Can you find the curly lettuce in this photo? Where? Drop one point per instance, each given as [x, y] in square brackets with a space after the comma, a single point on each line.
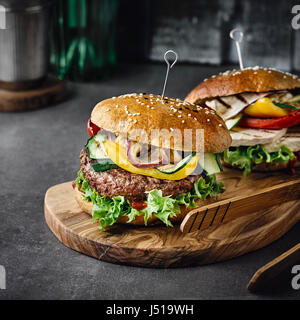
[107, 210]
[246, 157]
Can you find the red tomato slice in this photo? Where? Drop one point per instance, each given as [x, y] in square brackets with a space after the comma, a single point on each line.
[291, 120]
[138, 205]
[92, 129]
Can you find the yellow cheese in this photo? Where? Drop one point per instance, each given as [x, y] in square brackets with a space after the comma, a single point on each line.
[265, 108]
[118, 155]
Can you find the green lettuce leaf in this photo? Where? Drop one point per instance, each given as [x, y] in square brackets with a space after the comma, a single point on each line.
[245, 157]
[107, 210]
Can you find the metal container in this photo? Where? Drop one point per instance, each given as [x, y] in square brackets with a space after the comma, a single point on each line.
[24, 29]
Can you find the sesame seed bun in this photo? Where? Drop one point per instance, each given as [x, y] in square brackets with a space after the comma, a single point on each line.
[247, 80]
[128, 114]
[87, 207]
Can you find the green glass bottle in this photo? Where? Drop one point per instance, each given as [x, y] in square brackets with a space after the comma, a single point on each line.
[83, 39]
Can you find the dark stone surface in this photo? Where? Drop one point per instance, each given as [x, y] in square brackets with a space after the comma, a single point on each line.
[39, 149]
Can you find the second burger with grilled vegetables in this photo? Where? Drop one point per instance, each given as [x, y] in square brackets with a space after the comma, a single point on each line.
[261, 108]
[145, 161]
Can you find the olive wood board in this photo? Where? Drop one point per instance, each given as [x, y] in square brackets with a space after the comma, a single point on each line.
[274, 268]
[260, 194]
[163, 247]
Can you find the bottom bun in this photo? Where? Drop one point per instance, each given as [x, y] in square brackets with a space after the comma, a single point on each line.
[275, 166]
[265, 167]
[87, 207]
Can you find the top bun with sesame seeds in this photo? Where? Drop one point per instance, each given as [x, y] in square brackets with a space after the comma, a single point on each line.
[149, 119]
[247, 80]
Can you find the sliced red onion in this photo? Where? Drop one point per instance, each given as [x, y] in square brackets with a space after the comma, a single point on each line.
[132, 153]
[177, 156]
[110, 135]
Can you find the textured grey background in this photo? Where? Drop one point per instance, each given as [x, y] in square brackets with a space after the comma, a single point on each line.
[39, 149]
[199, 31]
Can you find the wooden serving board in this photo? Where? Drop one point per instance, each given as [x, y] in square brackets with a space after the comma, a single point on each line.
[164, 247]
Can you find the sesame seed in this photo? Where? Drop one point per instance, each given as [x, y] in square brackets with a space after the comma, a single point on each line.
[189, 115]
[208, 120]
[195, 118]
[172, 129]
[220, 124]
[182, 121]
[129, 119]
[179, 116]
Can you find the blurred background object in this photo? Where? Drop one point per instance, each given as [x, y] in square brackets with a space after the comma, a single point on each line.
[24, 56]
[83, 38]
[23, 43]
[88, 37]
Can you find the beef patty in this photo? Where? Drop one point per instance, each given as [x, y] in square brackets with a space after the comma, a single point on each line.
[119, 182]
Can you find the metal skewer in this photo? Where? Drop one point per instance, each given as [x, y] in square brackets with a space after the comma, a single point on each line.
[237, 36]
[168, 68]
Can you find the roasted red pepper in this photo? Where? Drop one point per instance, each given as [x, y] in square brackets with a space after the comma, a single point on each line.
[291, 120]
